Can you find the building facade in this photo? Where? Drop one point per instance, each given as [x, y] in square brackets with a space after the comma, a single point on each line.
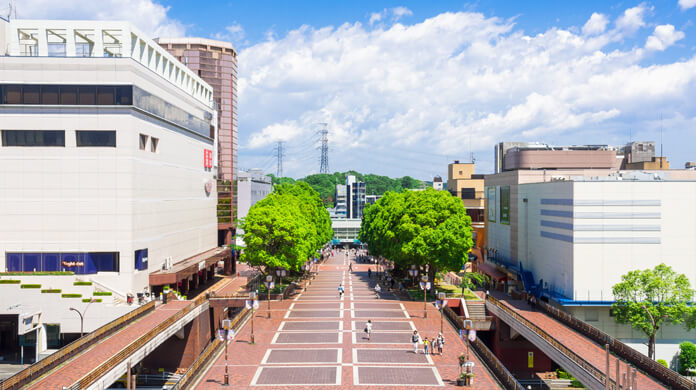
[216, 63]
[252, 186]
[350, 199]
[464, 183]
[107, 163]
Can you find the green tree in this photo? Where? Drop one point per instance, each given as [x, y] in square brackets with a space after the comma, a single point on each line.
[687, 357]
[419, 227]
[648, 299]
[471, 280]
[314, 211]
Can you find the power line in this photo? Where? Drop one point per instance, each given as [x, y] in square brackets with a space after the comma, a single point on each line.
[324, 159]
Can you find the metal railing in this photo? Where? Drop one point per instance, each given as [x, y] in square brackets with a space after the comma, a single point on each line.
[36, 370]
[103, 368]
[208, 353]
[577, 359]
[640, 361]
[489, 359]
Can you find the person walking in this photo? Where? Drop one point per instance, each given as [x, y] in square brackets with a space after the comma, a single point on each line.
[415, 339]
[426, 346]
[350, 267]
[340, 290]
[368, 329]
[440, 343]
[369, 273]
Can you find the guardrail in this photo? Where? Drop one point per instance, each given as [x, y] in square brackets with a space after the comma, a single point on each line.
[103, 368]
[208, 353]
[489, 359]
[640, 361]
[577, 359]
[36, 370]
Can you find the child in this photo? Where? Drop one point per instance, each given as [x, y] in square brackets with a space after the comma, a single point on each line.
[368, 329]
[426, 346]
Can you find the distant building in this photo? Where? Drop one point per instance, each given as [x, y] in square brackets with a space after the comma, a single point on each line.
[690, 165]
[350, 198]
[437, 183]
[341, 201]
[641, 156]
[372, 199]
[463, 183]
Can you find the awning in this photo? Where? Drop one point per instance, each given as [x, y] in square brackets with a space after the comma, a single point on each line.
[185, 268]
[491, 271]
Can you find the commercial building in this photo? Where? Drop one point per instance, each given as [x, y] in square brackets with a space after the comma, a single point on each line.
[107, 173]
[464, 183]
[216, 63]
[252, 186]
[350, 198]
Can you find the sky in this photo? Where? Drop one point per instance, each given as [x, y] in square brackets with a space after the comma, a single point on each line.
[407, 86]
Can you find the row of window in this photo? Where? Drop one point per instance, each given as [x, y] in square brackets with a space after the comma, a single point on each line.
[79, 263]
[83, 138]
[89, 95]
[154, 142]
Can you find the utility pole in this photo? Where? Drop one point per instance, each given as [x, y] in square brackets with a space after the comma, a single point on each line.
[280, 153]
[324, 148]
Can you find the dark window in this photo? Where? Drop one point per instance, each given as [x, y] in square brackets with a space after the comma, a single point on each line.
[141, 259]
[32, 94]
[52, 335]
[88, 96]
[33, 138]
[50, 262]
[13, 94]
[468, 193]
[96, 138]
[103, 261]
[68, 95]
[475, 214]
[105, 96]
[124, 95]
[49, 94]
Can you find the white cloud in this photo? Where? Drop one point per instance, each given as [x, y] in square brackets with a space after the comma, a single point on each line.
[148, 15]
[396, 14]
[663, 37]
[686, 4]
[595, 25]
[375, 17]
[405, 99]
[233, 33]
[400, 12]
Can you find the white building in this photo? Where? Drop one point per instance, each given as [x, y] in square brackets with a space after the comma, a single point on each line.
[252, 186]
[576, 236]
[106, 161]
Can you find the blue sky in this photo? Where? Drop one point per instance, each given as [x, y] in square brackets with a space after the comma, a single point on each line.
[408, 86]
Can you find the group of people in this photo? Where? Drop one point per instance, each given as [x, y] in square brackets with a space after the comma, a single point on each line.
[429, 344]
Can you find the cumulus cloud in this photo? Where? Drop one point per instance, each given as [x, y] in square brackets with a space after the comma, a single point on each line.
[233, 33]
[400, 12]
[148, 15]
[405, 99]
[663, 37]
[396, 14]
[596, 24]
[686, 4]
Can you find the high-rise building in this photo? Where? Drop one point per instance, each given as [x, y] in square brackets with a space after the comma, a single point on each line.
[216, 63]
[355, 201]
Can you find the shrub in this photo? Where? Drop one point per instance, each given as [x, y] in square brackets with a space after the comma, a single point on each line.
[40, 273]
[102, 293]
[663, 362]
[687, 357]
[51, 291]
[10, 281]
[79, 283]
[87, 300]
[30, 286]
[71, 295]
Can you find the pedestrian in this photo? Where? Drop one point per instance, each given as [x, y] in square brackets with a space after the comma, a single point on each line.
[350, 267]
[340, 290]
[440, 343]
[392, 283]
[378, 289]
[426, 346]
[368, 329]
[415, 338]
[369, 273]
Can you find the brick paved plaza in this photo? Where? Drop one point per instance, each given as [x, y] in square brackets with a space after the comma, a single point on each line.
[316, 340]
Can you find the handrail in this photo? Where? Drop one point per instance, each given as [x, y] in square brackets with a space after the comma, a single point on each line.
[111, 290]
[45, 365]
[491, 361]
[582, 363]
[103, 368]
[209, 352]
[651, 367]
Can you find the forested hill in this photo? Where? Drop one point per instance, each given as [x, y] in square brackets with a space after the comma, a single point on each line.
[325, 183]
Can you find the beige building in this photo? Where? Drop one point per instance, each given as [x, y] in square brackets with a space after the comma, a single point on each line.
[464, 183]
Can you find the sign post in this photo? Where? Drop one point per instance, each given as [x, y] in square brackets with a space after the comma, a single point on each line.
[226, 325]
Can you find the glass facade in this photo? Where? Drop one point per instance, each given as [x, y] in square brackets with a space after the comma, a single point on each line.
[86, 95]
[33, 138]
[95, 138]
[79, 263]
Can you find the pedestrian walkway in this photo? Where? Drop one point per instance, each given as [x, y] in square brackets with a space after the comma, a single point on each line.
[316, 340]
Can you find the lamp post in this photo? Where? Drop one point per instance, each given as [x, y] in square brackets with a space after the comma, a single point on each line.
[269, 286]
[82, 316]
[227, 327]
[414, 273]
[280, 273]
[253, 304]
[425, 286]
[441, 296]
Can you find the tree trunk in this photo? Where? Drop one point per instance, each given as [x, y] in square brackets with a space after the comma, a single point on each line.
[651, 347]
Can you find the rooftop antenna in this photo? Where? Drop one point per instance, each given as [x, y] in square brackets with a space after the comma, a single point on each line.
[471, 152]
[661, 156]
[324, 138]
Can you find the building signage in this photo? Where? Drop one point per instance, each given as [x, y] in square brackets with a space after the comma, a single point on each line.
[207, 158]
[71, 264]
[491, 204]
[208, 186]
[530, 359]
[505, 205]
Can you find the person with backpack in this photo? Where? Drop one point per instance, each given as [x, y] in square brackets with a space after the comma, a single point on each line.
[340, 290]
[368, 329]
[440, 343]
[415, 339]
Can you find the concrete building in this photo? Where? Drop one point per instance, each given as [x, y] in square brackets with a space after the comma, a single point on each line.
[107, 172]
[438, 184]
[464, 183]
[252, 186]
[216, 63]
[350, 198]
[341, 201]
[372, 199]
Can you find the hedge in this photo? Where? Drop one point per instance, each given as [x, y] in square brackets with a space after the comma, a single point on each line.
[71, 295]
[51, 273]
[10, 281]
[102, 293]
[82, 283]
[51, 291]
[86, 300]
[30, 286]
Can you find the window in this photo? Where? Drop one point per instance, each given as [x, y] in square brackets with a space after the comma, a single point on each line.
[49, 94]
[33, 138]
[143, 141]
[88, 96]
[591, 314]
[68, 95]
[32, 94]
[80, 263]
[468, 193]
[12, 94]
[52, 336]
[102, 95]
[141, 259]
[83, 49]
[56, 49]
[95, 138]
[153, 144]
[105, 96]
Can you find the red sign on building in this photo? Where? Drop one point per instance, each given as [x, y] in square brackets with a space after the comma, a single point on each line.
[207, 158]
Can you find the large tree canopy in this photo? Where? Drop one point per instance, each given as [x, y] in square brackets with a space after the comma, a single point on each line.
[648, 299]
[286, 228]
[419, 227]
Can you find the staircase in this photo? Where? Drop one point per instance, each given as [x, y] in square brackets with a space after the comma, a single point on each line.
[477, 310]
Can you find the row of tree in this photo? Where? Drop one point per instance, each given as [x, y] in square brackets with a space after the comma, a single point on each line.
[286, 228]
[419, 228]
[325, 184]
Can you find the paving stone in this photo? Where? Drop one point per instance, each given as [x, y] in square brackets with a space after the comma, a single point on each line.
[383, 338]
[305, 355]
[385, 325]
[379, 314]
[320, 306]
[306, 338]
[377, 306]
[403, 356]
[315, 314]
[310, 325]
[298, 376]
[422, 376]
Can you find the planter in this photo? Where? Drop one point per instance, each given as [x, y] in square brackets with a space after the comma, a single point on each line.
[461, 381]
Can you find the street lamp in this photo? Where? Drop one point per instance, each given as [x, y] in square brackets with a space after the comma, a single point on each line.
[414, 273]
[225, 333]
[82, 316]
[269, 286]
[425, 286]
[281, 273]
[441, 296]
[252, 304]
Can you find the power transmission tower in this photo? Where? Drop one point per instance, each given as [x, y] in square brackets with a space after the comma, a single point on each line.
[324, 159]
[280, 153]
